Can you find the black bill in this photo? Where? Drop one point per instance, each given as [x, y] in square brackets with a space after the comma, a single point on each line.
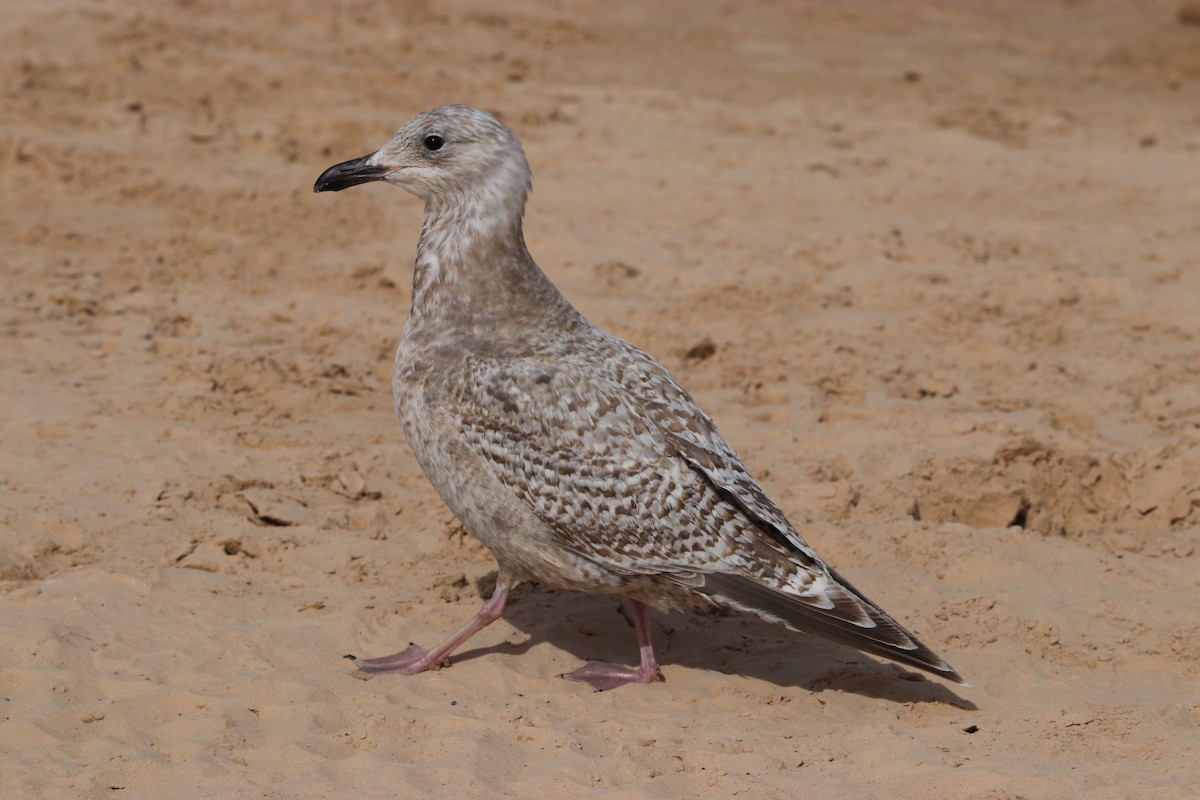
[349, 173]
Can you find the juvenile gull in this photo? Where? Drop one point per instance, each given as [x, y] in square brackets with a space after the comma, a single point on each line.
[572, 455]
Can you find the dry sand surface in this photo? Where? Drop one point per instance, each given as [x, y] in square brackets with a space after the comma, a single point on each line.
[934, 269]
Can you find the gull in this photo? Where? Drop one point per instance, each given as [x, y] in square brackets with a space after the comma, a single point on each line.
[573, 456]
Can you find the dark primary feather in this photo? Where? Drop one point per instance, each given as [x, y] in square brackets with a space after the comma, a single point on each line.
[887, 638]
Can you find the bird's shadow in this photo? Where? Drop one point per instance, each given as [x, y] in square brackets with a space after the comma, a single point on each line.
[598, 627]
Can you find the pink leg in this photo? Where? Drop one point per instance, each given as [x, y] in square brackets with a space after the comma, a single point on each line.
[601, 675]
[414, 659]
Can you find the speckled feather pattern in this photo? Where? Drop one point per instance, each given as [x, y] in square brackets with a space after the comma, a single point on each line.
[572, 455]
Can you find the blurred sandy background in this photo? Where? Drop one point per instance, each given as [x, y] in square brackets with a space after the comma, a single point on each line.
[934, 268]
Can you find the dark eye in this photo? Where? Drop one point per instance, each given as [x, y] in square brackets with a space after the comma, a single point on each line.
[434, 142]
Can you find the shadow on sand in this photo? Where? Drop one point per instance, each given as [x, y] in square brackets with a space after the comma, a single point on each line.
[592, 627]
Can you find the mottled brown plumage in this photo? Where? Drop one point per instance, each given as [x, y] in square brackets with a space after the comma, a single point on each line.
[572, 455]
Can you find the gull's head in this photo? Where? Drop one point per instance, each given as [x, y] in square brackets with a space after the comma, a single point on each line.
[446, 156]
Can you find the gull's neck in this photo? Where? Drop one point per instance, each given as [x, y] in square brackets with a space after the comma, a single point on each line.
[473, 269]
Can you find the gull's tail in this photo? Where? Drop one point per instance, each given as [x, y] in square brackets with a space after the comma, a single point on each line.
[853, 620]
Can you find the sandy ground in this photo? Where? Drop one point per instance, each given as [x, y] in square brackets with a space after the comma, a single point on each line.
[934, 269]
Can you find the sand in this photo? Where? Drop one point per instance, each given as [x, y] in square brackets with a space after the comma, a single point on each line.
[934, 269]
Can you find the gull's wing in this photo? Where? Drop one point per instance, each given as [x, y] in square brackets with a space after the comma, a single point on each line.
[619, 462]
